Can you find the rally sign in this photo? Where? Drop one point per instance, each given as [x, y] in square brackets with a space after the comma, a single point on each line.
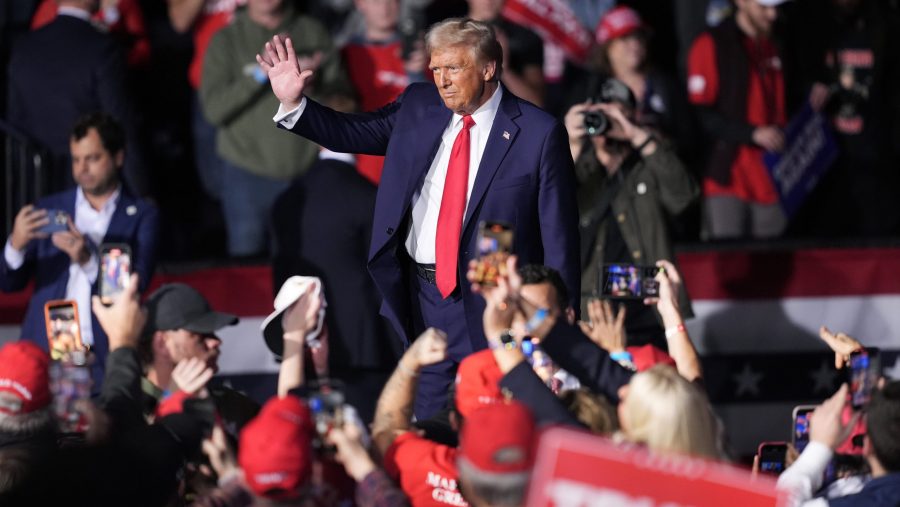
[578, 469]
[809, 151]
[554, 21]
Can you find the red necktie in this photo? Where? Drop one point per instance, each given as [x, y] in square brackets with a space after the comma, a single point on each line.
[453, 205]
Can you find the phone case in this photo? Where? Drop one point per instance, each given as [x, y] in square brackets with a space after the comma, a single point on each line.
[63, 328]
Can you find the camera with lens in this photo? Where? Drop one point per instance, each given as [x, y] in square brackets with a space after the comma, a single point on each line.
[596, 123]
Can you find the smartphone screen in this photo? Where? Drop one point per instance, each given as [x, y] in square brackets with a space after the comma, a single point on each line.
[495, 241]
[772, 456]
[801, 417]
[115, 270]
[864, 369]
[627, 281]
[63, 330]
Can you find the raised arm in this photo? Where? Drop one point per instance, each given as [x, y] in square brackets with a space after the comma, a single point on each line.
[394, 411]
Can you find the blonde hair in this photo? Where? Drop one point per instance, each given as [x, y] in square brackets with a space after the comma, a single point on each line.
[591, 409]
[669, 414]
[478, 36]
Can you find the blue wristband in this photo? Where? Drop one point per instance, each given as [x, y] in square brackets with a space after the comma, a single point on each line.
[621, 355]
[537, 319]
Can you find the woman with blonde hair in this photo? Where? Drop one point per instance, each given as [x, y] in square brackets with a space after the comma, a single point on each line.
[668, 414]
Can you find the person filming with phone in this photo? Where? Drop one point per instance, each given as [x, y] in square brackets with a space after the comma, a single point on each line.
[56, 242]
[630, 184]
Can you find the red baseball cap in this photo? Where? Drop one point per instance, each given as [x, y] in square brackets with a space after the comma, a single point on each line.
[618, 22]
[648, 356]
[24, 373]
[477, 382]
[499, 438]
[276, 449]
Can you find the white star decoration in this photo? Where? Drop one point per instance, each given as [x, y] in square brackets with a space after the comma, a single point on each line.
[893, 372]
[824, 378]
[747, 381]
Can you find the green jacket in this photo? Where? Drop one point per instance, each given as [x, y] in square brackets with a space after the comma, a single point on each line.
[242, 108]
[658, 187]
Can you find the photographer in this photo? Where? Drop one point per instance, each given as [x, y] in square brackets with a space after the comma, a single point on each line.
[629, 185]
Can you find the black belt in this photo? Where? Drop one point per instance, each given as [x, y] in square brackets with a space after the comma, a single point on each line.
[426, 272]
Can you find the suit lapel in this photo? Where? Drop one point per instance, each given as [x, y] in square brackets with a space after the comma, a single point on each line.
[503, 135]
[122, 220]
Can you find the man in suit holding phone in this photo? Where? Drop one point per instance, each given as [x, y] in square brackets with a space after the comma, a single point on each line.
[458, 153]
[64, 264]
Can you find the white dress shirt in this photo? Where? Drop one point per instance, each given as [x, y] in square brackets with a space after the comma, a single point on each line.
[92, 224]
[74, 12]
[426, 202]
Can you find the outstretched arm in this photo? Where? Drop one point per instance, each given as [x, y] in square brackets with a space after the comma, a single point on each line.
[279, 62]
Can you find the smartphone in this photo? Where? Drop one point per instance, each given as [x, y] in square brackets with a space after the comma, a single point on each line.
[58, 221]
[70, 384]
[800, 425]
[326, 402]
[411, 28]
[628, 281]
[495, 241]
[63, 328]
[115, 270]
[863, 371]
[772, 457]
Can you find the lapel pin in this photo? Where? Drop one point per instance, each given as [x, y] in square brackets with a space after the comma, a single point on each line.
[506, 135]
[131, 210]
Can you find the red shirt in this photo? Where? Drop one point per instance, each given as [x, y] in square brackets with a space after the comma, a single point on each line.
[425, 470]
[765, 106]
[216, 14]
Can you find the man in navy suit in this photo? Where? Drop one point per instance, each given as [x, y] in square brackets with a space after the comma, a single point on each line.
[458, 153]
[65, 264]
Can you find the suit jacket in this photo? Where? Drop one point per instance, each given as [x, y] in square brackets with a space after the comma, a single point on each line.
[323, 223]
[60, 72]
[525, 178]
[135, 222]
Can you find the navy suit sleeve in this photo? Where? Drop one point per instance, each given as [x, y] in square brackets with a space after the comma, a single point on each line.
[145, 245]
[528, 388]
[578, 355]
[366, 133]
[559, 212]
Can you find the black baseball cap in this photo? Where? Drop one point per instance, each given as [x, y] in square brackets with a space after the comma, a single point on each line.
[179, 306]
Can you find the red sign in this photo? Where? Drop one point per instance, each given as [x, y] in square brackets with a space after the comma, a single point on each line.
[554, 21]
[577, 469]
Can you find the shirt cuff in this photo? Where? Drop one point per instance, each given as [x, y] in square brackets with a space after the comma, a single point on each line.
[288, 119]
[14, 258]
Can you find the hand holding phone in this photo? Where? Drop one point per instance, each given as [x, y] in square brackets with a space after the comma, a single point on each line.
[772, 457]
[495, 241]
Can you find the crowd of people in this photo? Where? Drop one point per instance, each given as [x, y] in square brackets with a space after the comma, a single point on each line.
[322, 133]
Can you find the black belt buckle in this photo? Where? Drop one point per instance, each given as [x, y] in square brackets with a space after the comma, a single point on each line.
[426, 272]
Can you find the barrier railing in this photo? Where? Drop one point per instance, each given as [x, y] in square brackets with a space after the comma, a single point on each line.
[25, 171]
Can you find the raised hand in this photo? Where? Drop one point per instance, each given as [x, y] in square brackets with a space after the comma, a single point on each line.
[429, 348]
[842, 344]
[605, 329]
[287, 77]
[124, 319]
[72, 242]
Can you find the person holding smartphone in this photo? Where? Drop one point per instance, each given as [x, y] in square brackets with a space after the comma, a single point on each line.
[630, 186]
[64, 264]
